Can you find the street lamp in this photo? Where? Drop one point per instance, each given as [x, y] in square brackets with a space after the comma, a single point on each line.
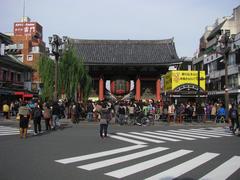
[224, 42]
[56, 44]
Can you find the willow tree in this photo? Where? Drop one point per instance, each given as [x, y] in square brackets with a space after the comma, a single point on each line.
[87, 85]
[72, 73]
[46, 71]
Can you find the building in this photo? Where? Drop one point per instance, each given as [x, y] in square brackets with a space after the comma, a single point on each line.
[211, 58]
[28, 46]
[15, 77]
[129, 65]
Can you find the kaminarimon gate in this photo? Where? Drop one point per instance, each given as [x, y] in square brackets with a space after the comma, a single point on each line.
[127, 69]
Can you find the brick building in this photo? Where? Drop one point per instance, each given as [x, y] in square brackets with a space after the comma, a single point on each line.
[28, 36]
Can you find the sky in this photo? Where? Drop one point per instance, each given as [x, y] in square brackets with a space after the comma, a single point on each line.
[183, 20]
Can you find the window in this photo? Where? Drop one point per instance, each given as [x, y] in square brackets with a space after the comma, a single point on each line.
[18, 77]
[233, 81]
[12, 76]
[4, 75]
[213, 66]
[30, 57]
[35, 49]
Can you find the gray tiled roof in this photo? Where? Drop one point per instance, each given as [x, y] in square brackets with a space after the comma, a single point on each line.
[121, 52]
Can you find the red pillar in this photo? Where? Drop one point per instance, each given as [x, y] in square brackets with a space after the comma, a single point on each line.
[158, 90]
[138, 90]
[101, 89]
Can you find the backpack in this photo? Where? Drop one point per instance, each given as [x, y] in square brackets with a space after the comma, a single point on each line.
[234, 114]
[37, 113]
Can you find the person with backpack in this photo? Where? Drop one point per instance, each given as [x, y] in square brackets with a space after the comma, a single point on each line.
[24, 114]
[37, 116]
[233, 115]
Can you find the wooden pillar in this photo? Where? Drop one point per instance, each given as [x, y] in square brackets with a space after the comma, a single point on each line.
[158, 90]
[101, 89]
[138, 90]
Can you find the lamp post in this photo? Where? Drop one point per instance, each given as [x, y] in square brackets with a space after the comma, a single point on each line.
[224, 46]
[56, 45]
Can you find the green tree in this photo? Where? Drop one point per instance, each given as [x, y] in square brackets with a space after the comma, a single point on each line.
[72, 73]
[46, 71]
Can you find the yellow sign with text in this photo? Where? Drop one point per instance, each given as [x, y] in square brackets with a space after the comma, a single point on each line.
[174, 79]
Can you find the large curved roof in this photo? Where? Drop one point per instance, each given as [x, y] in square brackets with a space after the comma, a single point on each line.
[120, 52]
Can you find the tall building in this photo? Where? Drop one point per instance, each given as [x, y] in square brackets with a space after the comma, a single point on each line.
[28, 37]
[211, 57]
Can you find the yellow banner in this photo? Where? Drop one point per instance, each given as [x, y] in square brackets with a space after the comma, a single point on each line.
[174, 79]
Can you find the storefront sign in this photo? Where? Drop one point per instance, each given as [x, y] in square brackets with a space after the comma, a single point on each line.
[174, 79]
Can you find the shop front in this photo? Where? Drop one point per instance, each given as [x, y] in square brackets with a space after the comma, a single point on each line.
[184, 86]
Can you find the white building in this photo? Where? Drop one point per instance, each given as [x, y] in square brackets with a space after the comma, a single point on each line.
[211, 57]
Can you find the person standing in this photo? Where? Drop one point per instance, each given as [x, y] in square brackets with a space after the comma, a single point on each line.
[233, 115]
[47, 116]
[90, 109]
[105, 114]
[122, 113]
[37, 116]
[55, 115]
[24, 113]
[6, 110]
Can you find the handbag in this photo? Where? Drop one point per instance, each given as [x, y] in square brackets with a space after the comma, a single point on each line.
[18, 117]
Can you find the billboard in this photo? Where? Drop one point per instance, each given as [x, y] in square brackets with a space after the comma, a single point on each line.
[174, 79]
[28, 29]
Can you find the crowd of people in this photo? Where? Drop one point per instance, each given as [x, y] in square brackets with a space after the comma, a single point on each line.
[121, 112]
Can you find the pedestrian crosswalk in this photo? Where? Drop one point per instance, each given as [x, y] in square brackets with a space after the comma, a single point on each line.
[161, 136]
[6, 131]
[131, 160]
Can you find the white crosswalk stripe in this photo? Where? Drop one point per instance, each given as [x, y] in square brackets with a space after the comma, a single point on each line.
[99, 154]
[140, 137]
[175, 132]
[210, 132]
[151, 157]
[112, 161]
[225, 170]
[184, 167]
[121, 173]
[195, 134]
[156, 137]
[169, 135]
[127, 139]
[6, 131]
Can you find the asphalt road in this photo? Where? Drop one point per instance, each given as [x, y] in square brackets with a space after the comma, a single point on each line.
[77, 152]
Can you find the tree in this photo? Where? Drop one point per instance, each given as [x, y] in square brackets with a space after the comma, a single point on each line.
[72, 73]
[46, 72]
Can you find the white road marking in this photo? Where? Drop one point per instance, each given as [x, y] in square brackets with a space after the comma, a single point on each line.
[170, 135]
[99, 154]
[183, 134]
[127, 139]
[181, 169]
[225, 170]
[117, 160]
[141, 138]
[198, 133]
[121, 173]
[156, 137]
